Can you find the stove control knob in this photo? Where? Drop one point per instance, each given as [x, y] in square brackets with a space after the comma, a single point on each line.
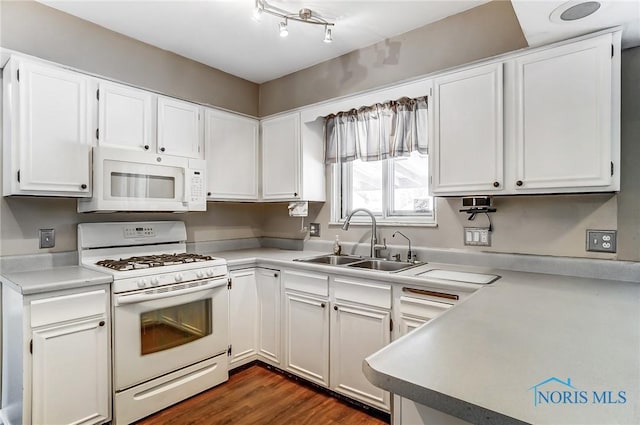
[178, 277]
[199, 274]
[142, 283]
[209, 272]
[154, 281]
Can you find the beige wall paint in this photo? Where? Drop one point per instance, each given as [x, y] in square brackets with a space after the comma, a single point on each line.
[38, 30]
[542, 225]
[478, 33]
[629, 198]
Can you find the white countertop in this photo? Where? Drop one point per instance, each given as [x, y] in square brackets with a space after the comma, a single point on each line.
[480, 360]
[54, 279]
[484, 356]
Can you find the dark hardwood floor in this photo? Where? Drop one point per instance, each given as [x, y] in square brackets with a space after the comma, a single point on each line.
[260, 396]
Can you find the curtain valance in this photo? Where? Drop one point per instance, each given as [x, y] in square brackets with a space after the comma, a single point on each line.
[371, 133]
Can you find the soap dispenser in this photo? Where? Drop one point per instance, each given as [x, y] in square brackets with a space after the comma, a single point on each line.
[337, 248]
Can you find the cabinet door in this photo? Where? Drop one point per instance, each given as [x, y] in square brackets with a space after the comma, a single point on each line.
[269, 328]
[467, 155]
[243, 324]
[231, 149]
[307, 337]
[124, 117]
[179, 129]
[71, 378]
[357, 332]
[563, 118]
[414, 312]
[54, 139]
[281, 157]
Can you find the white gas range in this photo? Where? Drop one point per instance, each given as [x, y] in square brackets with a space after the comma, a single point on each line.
[169, 312]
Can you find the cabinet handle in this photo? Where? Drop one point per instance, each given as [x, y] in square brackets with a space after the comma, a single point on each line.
[208, 193]
[275, 275]
[102, 323]
[295, 194]
[335, 307]
[162, 149]
[146, 147]
[519, 183]
[496, 184]
[431, 293]
[322, 305]
[83, 186]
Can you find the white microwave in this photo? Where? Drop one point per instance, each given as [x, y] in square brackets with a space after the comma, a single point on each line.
[125, 180]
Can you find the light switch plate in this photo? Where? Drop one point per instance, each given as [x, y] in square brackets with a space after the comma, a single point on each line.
[601, 240]
[477, 236]
[314, 229]
[47, 238]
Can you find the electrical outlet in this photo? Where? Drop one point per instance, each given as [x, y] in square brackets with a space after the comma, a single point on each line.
[477, 236]
[47, 238]
[314, 229]
[601, 240]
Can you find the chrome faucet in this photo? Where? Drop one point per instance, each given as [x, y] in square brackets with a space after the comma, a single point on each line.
[374, 238]
[409, 254]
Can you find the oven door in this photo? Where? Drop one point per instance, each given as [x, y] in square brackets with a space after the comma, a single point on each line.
[168, 328]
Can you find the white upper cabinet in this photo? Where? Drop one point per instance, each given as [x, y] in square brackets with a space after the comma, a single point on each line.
[281, 157]
[292, 159]
[467, 152]
[47, 140]
[125, 117]
[563, 122]
[231, 151]
[179, 128]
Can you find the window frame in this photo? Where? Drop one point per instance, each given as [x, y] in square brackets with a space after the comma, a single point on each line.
[387, 217]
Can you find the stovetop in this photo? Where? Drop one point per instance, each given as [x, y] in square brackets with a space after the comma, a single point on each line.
[148, 261]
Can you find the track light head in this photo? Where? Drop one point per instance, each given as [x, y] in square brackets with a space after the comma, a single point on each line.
[284, 31]
[328, 38]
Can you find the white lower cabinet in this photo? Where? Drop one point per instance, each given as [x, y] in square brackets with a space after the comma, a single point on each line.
[243, 314]
[254, 316]
[360, 326]
[269, 316]
[307, 337]
[357, 332]
[413, 312]
[63, 373]
[74, 357]
[307, 325]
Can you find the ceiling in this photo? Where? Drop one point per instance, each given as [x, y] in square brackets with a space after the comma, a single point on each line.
[223, 35]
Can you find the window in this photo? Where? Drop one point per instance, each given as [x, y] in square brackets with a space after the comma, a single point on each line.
[396, 190]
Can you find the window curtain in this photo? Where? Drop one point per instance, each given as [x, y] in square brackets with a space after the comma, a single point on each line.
[380, 131]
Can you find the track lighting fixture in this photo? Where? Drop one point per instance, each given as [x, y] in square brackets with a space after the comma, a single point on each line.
[304, 15]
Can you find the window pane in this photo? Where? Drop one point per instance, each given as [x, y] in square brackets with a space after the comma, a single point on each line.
[367, 185]
[411, 185]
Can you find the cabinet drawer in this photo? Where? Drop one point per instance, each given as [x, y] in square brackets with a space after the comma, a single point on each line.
[363, 292]
[68, 307]
[312, 283]
[424, 309]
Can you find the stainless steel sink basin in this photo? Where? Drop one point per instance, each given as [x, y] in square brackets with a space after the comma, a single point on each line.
[332, 260]
[384, 265]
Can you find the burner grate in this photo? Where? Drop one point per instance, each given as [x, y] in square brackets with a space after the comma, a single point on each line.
[148, 261]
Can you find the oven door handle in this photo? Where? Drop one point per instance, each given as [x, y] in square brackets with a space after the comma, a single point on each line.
[139, 298]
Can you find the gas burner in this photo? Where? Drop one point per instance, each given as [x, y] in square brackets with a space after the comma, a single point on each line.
[147, 261]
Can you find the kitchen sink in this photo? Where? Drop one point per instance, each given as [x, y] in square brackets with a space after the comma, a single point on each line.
[384, 265]
[333, 260]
